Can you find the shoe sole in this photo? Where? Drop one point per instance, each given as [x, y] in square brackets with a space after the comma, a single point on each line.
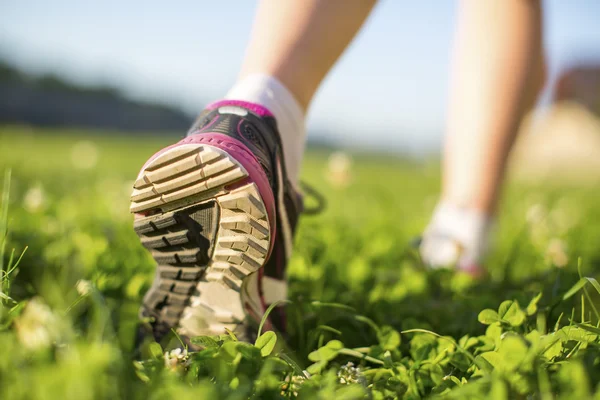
[207, 227]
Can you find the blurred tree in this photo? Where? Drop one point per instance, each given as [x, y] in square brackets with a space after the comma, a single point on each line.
[50, 100]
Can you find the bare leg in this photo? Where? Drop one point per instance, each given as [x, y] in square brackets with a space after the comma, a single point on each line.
[293, 46]
[298, 41]
[498, 72]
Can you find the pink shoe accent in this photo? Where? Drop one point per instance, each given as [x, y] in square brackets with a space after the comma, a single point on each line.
[255, 108]
[473, 270]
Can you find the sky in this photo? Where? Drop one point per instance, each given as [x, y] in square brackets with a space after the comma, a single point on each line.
[389, 88]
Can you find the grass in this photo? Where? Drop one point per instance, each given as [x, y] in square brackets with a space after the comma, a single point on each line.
[366, 320]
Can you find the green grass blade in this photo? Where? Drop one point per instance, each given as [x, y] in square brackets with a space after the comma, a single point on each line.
[4, 217]
[264, 318]
[594, 283]
[574, 289]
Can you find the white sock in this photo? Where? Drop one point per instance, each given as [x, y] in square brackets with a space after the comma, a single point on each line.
[451, 225]
[272, 94]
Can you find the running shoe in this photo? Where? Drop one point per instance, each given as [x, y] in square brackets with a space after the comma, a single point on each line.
[218, 214]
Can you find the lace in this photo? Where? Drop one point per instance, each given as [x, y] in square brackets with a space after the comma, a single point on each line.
[310, 191]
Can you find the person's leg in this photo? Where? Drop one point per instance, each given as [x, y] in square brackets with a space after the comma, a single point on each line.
[293, 46]
[218, 209]
[298, 41]
[498, 58]
[498, 72]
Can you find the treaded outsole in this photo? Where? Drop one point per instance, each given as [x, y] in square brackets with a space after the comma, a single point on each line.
[206, 238]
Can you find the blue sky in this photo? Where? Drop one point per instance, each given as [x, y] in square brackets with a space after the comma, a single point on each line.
[390, 85]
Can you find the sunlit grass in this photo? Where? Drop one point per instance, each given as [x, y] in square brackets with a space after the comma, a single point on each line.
[358, 293]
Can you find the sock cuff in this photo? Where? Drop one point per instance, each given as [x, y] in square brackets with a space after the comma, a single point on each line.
[270, 92]
[254, 107]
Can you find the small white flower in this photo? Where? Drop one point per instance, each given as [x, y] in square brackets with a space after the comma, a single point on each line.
[34, 199]
[83, 287]
[349, 374]
[175, 352]
[339, 168]
[84, 155]
[37, 327]
[556, 253]
[175, 358]
[295, 382]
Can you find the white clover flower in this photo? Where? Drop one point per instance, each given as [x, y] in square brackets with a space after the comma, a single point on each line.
[175, 358]
[349, 374]
[37, 327]
[556, 253]
[84, 154]
[34, 199]
[294, 383]
[83, 287]
[339, 168]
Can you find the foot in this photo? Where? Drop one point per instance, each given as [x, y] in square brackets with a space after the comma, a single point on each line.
[218, 214]
[439, 251]
[456, 237]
